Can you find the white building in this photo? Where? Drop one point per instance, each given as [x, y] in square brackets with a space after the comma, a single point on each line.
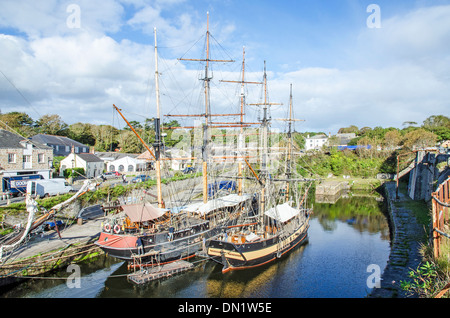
[126, 164]
[315, 142]
[175, 159]
[92, 165]
[122, 162]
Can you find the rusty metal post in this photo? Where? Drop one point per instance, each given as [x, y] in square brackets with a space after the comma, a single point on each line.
[398, 172]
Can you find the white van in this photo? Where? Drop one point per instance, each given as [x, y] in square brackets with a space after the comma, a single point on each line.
[47, 187]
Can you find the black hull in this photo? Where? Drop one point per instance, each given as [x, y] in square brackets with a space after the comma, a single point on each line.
[156, 248]
[162, 247]
[234, 256]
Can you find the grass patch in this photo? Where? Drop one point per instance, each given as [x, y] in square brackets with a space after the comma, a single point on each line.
[443, 261]
[419, 208]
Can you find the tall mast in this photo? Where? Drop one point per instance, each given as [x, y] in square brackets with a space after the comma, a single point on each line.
[207, 114]
[264, 154]
[157, 145]
[288, 168]
[241, 135]
[264, 142]
[290, 120]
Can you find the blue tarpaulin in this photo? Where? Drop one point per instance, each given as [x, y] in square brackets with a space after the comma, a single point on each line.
[354, 147]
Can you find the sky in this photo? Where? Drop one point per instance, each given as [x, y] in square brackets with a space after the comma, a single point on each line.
[350, 62]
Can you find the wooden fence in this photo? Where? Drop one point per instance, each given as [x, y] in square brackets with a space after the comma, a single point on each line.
[440, 205]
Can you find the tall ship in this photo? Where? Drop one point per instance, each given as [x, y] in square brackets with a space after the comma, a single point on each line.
[146, 234]
[282, 220]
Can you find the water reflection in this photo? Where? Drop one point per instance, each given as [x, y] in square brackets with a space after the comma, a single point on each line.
[344, 239]
[364, 213]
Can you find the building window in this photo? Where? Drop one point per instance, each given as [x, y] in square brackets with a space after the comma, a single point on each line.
[121, 168]
[40, 158]
[26, 159]
[77, 150]
[11, 158]
[67, 149]
[130, 168]
[112, 168]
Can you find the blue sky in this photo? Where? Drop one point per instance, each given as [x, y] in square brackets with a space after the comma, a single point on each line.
[343, 72]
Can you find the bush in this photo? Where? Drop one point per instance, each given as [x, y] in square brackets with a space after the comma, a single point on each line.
[340, 163]
[76, 172]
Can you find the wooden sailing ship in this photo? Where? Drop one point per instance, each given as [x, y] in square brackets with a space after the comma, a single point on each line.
[146, 235]
[275, 230]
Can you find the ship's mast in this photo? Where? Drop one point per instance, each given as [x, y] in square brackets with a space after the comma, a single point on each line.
[158, 142]
[265, 125]
[241, 135]
[157, 145]
[264, 143]
[290, 120]
[288, 168]
[207, 114]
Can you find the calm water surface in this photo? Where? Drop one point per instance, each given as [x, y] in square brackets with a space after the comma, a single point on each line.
[344, 239]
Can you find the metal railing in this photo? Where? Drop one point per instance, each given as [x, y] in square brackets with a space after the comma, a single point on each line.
[440, 213]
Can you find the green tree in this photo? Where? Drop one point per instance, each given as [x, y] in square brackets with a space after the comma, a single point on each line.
[439, 125]
[82, 132]
[168, 140]
[129, 143]
[419, 138]
[409, 123]
[105, 137]
[19, 122]
[135, 124]
[52, 125]
[436, 121]
[392, 139]
[351, 129]
[299, 140]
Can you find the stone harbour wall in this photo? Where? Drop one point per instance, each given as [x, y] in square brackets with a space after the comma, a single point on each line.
[405, 256]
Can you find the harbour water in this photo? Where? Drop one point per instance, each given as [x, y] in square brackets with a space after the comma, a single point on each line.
[347, 240]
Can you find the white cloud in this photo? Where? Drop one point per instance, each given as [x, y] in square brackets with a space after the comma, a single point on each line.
[42, 18]
[399, 72]
[84, 69]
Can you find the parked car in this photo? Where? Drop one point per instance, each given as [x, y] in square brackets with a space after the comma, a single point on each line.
[141, 178]
[110, 175]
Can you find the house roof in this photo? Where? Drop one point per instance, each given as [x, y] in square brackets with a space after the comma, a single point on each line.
[56, 140]
[145, 155]
[12, 140]
[321, 136]
[114, 155]
[89, 157]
